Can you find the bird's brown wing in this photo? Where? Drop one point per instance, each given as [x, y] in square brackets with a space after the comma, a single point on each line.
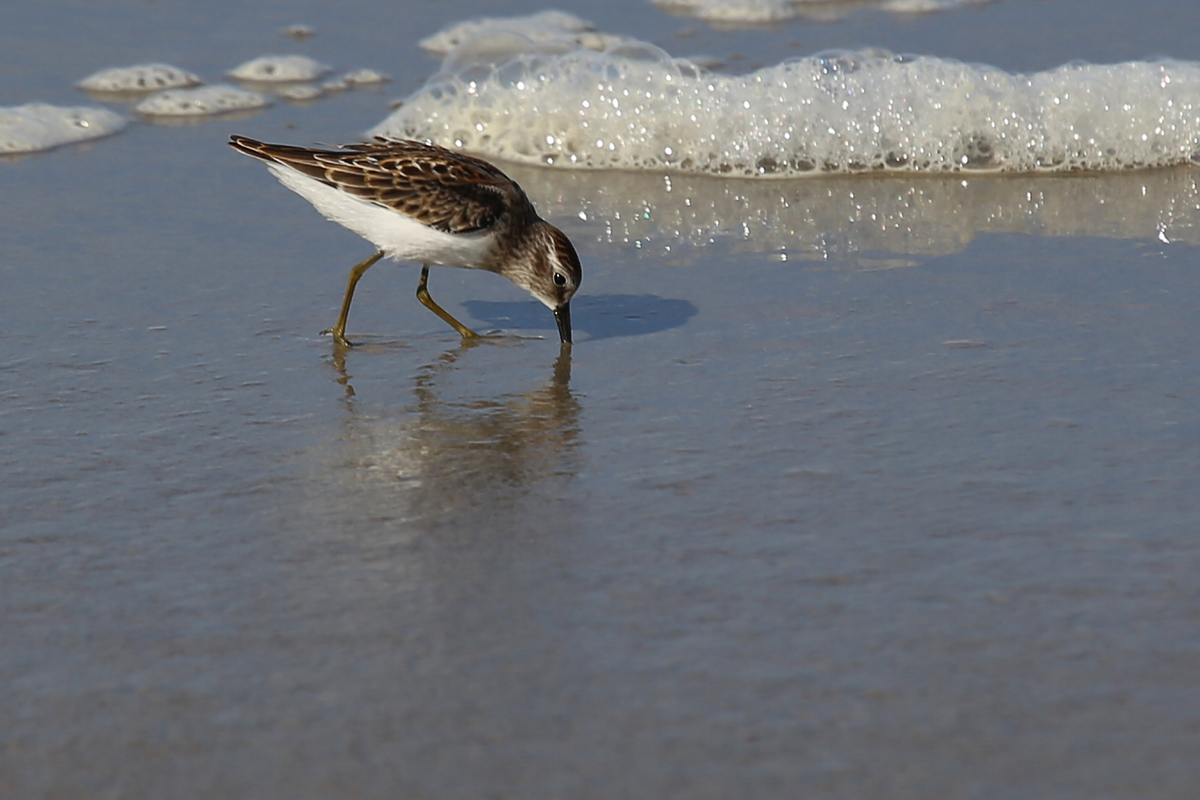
[435, 186]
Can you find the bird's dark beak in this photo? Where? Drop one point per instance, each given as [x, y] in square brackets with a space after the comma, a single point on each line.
[562, 315]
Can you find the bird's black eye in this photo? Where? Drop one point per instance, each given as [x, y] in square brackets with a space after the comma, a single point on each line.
[560, 279]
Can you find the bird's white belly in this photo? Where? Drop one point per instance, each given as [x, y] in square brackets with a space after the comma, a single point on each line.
[396, 234]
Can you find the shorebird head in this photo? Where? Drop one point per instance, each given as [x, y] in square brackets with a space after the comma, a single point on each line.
[552, 275]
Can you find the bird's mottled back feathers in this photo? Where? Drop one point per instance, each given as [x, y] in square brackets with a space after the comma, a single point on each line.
[440, 188]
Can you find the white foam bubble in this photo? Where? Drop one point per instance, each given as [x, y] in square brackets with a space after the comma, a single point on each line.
[364, 77]
[757, 12]
[301, 92]
[38, 126]
[927, 6]
[207, 100]
[634, 107]
[279, 68]
[299, 31]
[139, 78]
[536, 27]
[732, 11]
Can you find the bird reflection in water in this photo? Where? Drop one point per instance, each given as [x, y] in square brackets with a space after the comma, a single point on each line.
[458, 459]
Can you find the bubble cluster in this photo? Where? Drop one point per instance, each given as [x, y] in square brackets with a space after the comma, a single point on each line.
[299, 31]
[38, 126]
[550, 24]
[301, 92]
[757, 12]
[139, 78]
[218, 99]
[926, 6]
[364, 77]
[732, 11]
[279, 68]
[635, 107]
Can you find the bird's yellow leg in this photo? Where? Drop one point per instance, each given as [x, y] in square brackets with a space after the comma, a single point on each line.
[427, 301]
[339, 331]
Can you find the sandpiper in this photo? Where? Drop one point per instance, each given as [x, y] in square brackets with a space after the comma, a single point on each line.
[424, 203]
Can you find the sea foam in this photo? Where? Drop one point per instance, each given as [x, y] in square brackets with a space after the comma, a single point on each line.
[269, 69]
[633, 106]
[757, 12]
[543, 25]
[205, 101]
[139, 78]
[38, 126]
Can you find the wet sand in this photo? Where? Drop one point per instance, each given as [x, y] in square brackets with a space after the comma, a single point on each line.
[849, 488]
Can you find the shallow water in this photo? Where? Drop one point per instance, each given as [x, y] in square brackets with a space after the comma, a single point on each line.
[849, 488]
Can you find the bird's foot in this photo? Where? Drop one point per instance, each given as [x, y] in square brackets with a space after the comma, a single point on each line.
[339, 338]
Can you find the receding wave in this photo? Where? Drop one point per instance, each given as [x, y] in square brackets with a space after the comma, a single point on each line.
[840, 220]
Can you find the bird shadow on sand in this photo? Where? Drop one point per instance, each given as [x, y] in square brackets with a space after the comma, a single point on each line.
[604, 316]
